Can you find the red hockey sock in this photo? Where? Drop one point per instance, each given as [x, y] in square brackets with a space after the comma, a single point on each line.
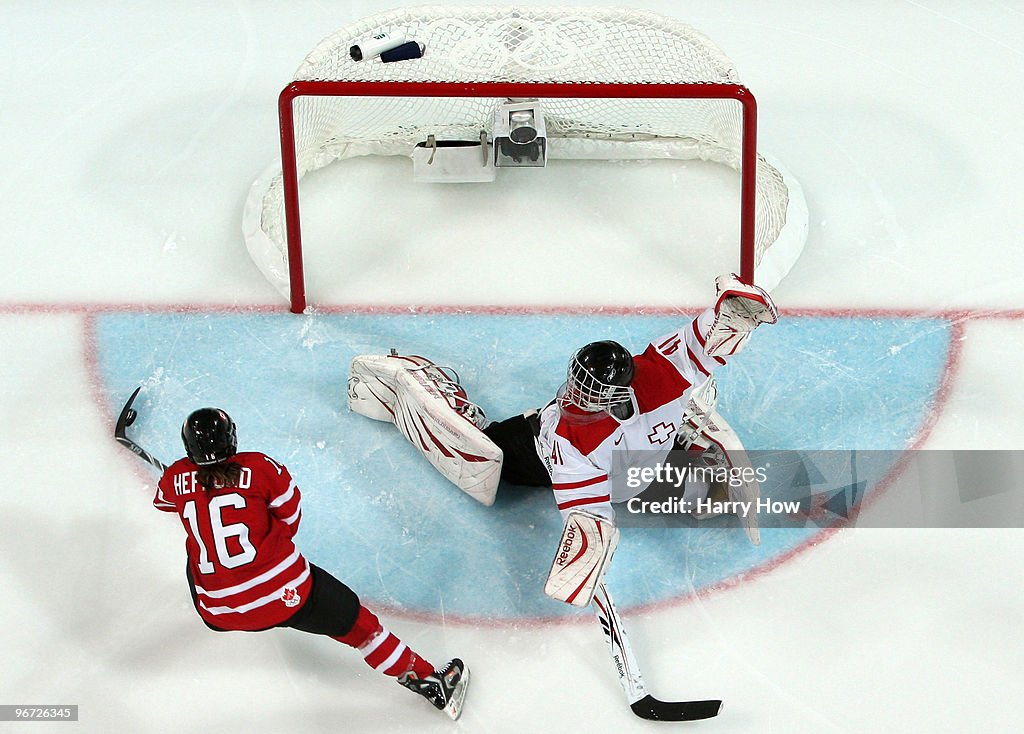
[381, 649]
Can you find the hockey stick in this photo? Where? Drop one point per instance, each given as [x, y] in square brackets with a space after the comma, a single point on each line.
[641, 702]
[127, 417]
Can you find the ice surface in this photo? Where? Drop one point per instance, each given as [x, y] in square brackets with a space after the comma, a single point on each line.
[129, 138]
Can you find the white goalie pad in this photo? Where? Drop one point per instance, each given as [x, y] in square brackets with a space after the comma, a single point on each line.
[429, 408]
[705, 429]
[740, 309]
[584, 552]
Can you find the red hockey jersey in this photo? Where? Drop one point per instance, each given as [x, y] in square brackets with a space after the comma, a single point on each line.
[248, 573]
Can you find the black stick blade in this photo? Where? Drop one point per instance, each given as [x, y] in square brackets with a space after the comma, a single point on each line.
[125, 419]
[652, 709]
[127, 416]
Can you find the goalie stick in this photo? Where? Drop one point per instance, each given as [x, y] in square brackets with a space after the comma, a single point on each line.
[127, 417]
[641, 702]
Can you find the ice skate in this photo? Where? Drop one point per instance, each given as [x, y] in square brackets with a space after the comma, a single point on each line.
[445, 688]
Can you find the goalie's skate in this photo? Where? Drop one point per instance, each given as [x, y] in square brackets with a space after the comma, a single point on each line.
[430, 408]
[372, 389]
[446, 380]
[445, 688]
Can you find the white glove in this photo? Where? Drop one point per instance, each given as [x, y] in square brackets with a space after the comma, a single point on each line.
[740, 309]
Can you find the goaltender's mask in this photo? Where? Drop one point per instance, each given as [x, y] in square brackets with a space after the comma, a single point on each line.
[598, 380]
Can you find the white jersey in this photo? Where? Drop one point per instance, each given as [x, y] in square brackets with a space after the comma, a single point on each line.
[588, 454]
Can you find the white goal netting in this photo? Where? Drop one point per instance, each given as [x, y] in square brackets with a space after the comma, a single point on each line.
[606, 49]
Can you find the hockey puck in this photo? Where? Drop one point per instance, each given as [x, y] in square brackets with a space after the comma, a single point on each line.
[130, 416]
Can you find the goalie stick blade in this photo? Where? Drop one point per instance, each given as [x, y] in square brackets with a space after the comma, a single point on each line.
[652, 709]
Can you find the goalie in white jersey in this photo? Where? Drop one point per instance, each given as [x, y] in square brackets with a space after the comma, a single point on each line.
[616, 411]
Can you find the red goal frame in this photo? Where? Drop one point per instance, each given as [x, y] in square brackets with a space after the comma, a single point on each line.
[538, 90]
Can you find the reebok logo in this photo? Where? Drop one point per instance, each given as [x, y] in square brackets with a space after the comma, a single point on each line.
[567, 544]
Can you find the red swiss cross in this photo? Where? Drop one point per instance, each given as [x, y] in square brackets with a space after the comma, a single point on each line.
[662, 432]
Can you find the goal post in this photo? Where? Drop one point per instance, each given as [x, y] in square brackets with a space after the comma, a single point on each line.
[608, 84]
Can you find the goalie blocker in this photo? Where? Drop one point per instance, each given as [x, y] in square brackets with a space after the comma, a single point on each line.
[584, 552]
[706, 432]
[430, 408]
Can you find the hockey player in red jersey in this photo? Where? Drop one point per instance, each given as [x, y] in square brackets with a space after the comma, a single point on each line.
[240, 512]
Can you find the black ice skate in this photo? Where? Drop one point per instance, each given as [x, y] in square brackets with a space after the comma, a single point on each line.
[445, 689]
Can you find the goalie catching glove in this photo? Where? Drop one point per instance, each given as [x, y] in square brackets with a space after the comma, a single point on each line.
[584, 552]
[740, 309]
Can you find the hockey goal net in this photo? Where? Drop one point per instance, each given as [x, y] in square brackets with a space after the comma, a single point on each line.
[613, 84]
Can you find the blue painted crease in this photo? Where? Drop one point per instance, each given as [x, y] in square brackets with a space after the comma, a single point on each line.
[377, 515]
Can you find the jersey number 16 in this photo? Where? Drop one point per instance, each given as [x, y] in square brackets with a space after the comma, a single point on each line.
[221, 533]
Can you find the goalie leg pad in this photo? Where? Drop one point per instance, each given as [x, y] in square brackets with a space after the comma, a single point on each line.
[372, 386]
[431, 410]
[373, 381]
[584, 552]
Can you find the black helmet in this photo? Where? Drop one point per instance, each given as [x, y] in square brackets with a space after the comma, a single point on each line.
[599, 375]
[209, 436]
